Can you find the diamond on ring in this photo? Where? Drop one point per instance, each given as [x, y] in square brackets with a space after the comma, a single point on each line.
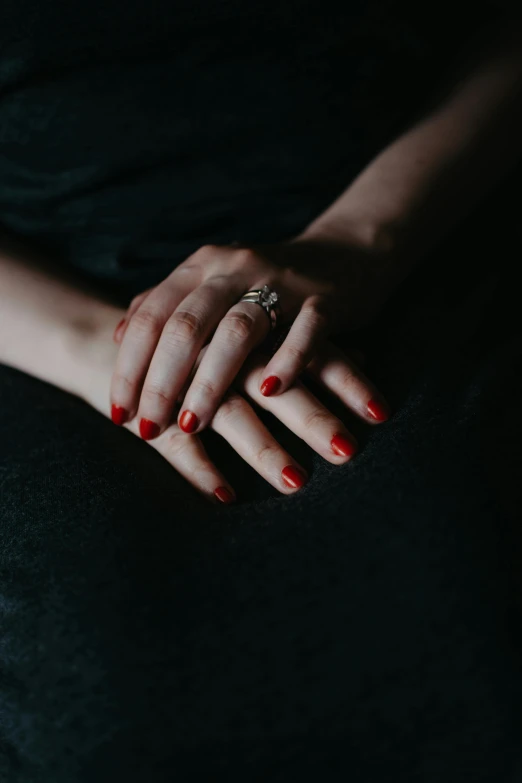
[266, 299]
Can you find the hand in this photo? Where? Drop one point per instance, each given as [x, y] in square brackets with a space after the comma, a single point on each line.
[323, 286]
[235, 419]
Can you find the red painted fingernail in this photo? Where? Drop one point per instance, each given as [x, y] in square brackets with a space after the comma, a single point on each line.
[119, 415]
[116, 331]
[149, 429]
[270, 385]
[343, 446]
[378, 410]
[293, 477]
[224, 495]
[188, 421]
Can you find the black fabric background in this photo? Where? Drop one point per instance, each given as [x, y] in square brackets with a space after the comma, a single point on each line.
[128, 139]
[366, 628]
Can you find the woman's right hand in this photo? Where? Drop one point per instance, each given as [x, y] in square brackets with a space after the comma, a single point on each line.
[237, 422]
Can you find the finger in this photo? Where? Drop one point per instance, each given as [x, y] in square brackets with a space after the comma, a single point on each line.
[119, 331]
[135, 303]
[243, 327]
[343, 378]
[300, 411]
[138, 345]
[237, 423]
[178, 347]
[188, 457]
[302, 342]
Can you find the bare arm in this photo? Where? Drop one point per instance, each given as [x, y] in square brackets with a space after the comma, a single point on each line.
[63, 335]
[47, 324]
[418, 187]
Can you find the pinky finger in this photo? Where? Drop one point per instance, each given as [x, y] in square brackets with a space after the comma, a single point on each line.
[302, 342]
[188, 457]
[122, 325]
[337, 373]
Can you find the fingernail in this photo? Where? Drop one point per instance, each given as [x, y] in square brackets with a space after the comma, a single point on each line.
[293, 477]
[115, 335]
[270, 385]
[149, 429]
[119, 415]
[224, 495]
[378, 410]
[188, 421]
[343, 446]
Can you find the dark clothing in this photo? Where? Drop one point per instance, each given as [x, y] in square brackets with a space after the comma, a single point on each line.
[132, 133]
[364, 629]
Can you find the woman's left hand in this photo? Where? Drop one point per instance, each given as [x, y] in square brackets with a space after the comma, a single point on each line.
[323, 287]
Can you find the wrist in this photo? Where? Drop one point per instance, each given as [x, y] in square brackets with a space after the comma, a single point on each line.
[90, 354]
[371, 258]
[378, 240]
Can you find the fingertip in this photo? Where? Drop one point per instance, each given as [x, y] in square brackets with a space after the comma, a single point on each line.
[224, 495]
[149, 429]
[294, 477]
[378, 410]
[188, 422]
[119, 415]
[270, 386]
[343, 446]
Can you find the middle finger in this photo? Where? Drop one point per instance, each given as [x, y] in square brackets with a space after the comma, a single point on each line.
[244, 326]
[179, 345]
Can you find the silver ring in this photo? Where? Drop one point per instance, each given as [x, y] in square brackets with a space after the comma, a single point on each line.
[267, 299]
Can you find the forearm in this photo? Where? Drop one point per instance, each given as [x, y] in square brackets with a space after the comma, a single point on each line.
[47, 325]
[414, 191]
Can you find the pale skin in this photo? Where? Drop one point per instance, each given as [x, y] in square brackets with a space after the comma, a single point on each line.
[186, 346]
[332, 277]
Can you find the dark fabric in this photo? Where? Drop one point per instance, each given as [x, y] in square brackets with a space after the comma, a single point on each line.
[131, 133]
[364, 629]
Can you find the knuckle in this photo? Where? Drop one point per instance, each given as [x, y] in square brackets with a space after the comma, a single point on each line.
[266, 453]
[348, 377]
[206, 251]
[246, 257]
[146, 321]
[321, 303]
[176, 442]
[152, 393]
[184, 326]
[123, 384]
[317, 419]
[214, 283]
[204, 386]
[232, 407]
[296, 355]
[239, 325]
